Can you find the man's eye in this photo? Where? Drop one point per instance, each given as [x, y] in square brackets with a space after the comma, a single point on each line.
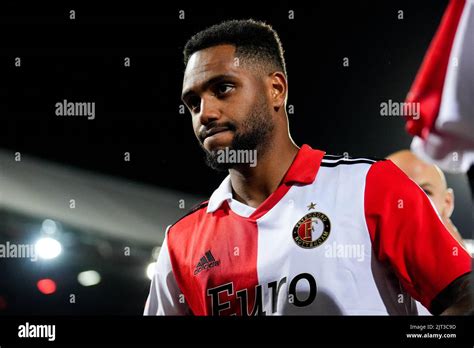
[224, 88]
[428, 192]
[194, 103]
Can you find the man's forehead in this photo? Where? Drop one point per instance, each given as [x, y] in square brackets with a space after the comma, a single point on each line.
[209, 62]
[424, 173]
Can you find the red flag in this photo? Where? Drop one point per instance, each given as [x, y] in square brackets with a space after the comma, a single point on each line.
[444, 89]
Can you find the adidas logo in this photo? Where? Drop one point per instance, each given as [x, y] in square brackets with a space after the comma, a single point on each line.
[207, 262]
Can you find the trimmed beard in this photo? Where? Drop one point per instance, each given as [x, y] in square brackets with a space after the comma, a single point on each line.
[253, 134]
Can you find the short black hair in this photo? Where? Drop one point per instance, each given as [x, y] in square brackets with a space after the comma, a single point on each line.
[253, 40]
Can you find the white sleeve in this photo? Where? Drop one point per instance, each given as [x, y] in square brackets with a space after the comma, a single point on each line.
[165, 297]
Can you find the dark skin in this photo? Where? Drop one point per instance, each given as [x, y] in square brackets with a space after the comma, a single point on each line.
[456, 299]
[216, 90]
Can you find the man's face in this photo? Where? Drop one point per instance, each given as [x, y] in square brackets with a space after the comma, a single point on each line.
[228, 103]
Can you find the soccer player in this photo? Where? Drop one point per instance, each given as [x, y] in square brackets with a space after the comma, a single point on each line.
[297, 231]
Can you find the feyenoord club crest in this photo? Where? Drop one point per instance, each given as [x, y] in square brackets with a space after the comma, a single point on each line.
[312, 230]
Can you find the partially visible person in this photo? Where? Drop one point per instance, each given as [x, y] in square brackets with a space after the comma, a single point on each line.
[432, 180]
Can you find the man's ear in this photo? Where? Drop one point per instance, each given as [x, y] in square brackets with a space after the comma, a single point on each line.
[449, 202]
[278, 89]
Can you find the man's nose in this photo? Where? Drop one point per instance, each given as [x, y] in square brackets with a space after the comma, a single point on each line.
[209, 110]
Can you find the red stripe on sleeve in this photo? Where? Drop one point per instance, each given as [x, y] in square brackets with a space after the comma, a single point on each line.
[409, 236]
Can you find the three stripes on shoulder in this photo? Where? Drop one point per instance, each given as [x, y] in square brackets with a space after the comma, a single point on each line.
[333, 161]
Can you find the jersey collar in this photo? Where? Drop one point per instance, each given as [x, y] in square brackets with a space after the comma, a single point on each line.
[302, 171]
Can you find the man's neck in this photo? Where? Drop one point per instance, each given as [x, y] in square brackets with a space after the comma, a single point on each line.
[252, 185]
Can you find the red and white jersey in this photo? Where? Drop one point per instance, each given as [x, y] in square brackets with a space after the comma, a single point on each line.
[338, 236]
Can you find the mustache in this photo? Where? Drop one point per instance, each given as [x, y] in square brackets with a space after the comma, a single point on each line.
[202, 132]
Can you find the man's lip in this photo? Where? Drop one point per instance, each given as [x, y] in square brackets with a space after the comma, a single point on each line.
[214, 130]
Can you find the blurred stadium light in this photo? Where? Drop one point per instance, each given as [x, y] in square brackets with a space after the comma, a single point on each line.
[106, 239]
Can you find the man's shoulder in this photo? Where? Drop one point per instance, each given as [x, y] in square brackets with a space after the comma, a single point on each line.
[374, 171]
[352, 172]
[341, 161]
[191, 217]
